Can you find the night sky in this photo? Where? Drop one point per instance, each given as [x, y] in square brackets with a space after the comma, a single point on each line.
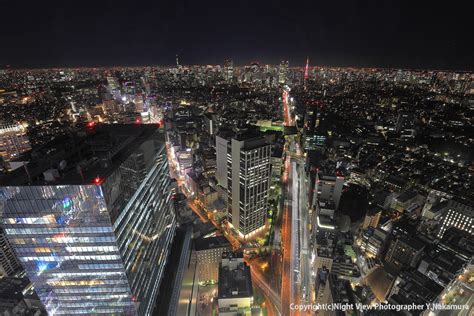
[402, 34]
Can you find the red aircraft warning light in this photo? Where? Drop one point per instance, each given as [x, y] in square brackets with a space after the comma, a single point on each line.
[97, 180]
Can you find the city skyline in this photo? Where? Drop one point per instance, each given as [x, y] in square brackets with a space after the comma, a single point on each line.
[277, 158]
[372, 34]
[223, 189]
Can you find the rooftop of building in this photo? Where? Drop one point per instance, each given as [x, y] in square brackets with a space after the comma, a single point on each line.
[82, 157]
[230, 255]
[11, 289]
[253, 142]
[374, 210]
[325, 252]
[277, 152]
[438, 207]
[412, 242]
[326, 238]
[460, 291]
[251, 137]
[458, 241]
[396, 180]
[406, 225]
[327, 176]
[326, 222]
[341, 290]
[406, 196]
[380, 196]
[442, 263]
[379, 281]
[326, 204]
[463, 206]
[211, 243]
[235, 283]
[416, 287]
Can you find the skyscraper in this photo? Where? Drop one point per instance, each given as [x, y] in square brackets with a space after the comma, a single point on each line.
[247, 158]
[249, 182]
[94, 237]
[282, 71]
[228, 71]
[314, 134]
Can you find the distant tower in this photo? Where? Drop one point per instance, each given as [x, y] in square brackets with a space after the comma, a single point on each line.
[282, 72]
[177, 61]
[228, 71]
[306, 72]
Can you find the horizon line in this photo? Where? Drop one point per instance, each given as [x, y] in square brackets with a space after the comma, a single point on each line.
[169, 66]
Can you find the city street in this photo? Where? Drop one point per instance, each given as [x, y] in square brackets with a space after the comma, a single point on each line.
[260, 281]
[297, 278]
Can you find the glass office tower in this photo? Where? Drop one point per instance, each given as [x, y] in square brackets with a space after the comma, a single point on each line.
[97, 243]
